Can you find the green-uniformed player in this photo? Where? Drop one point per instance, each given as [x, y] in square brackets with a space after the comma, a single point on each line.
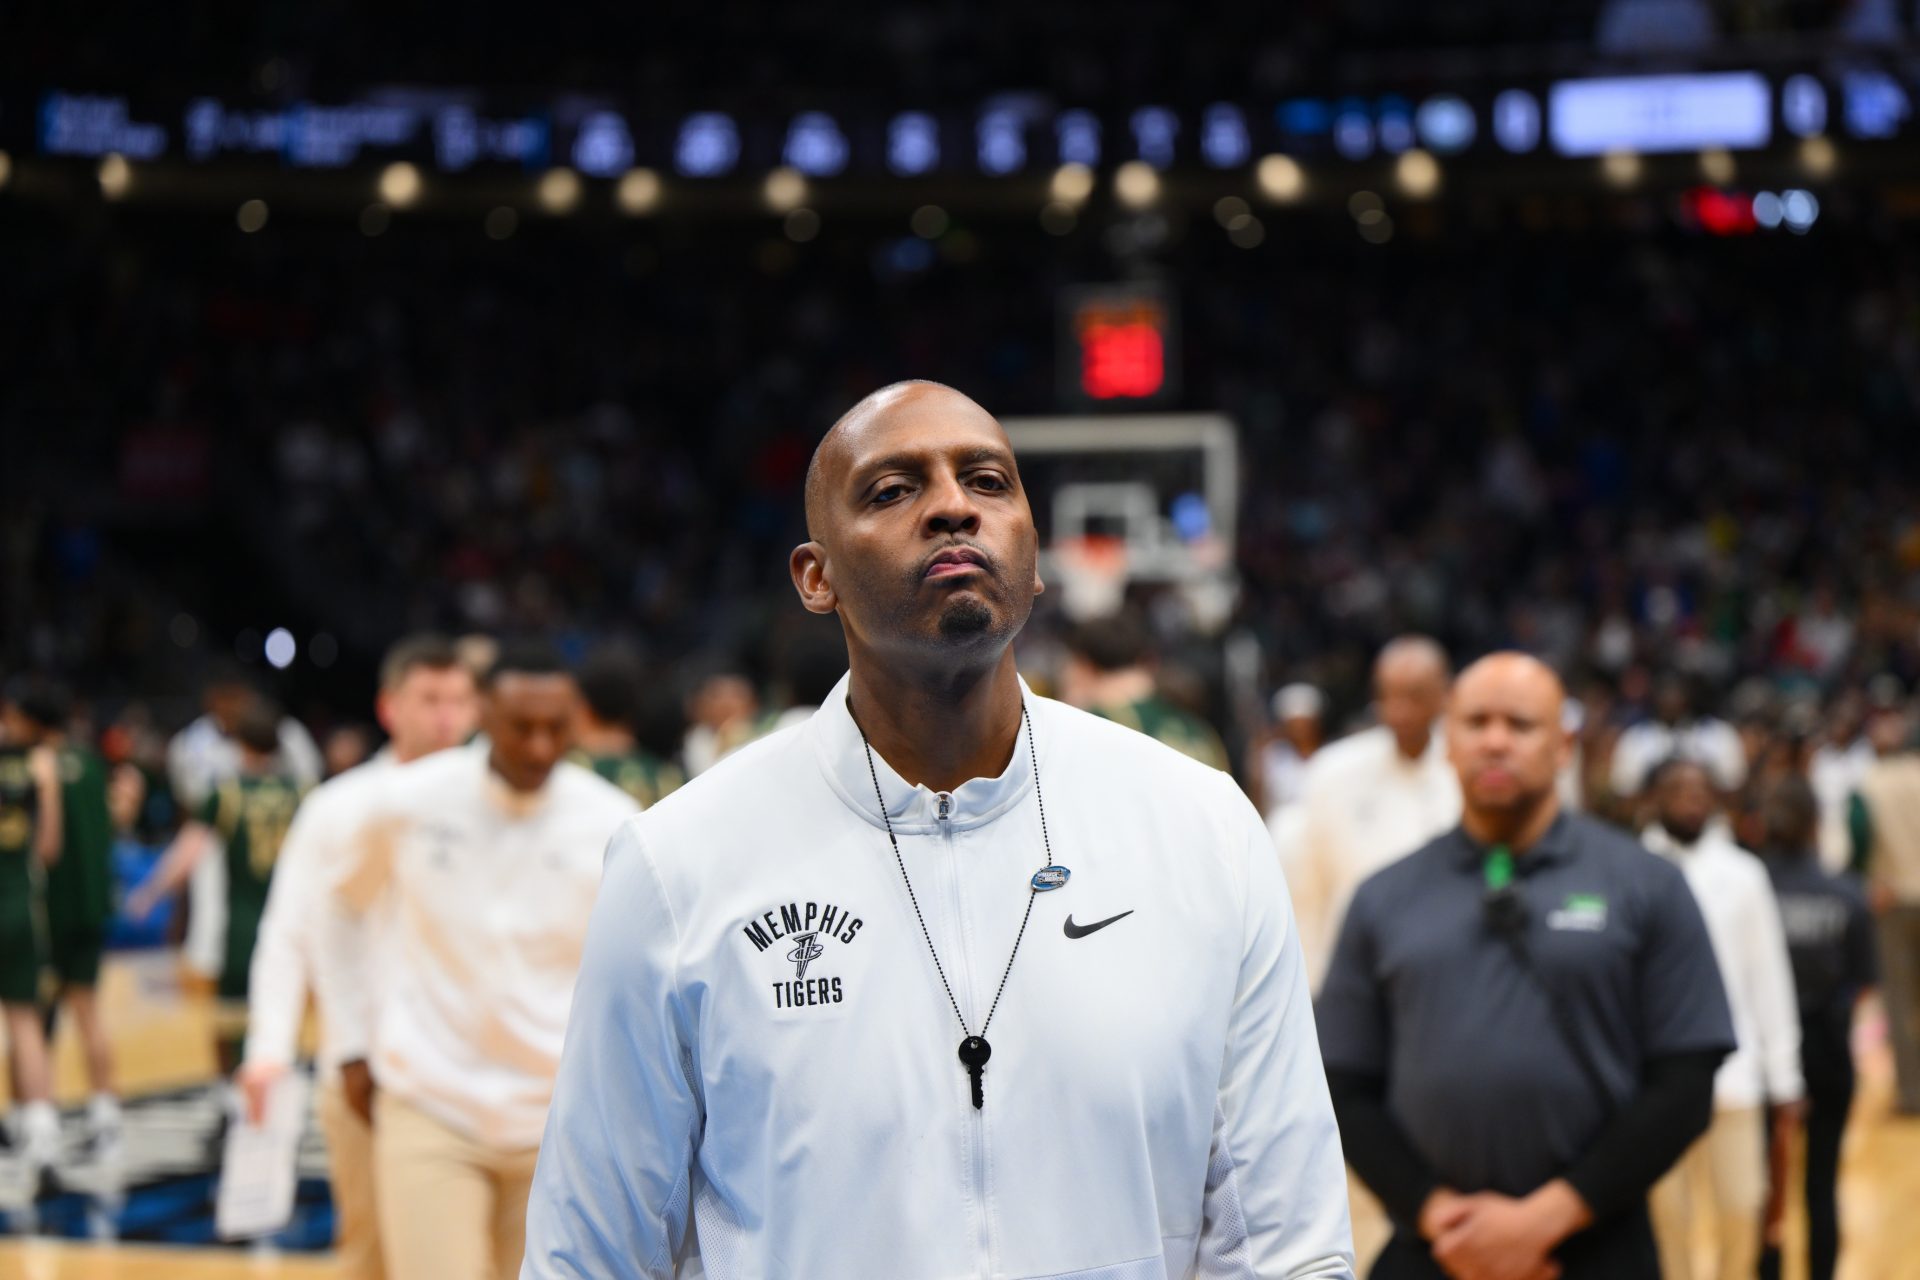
[607, 729]
[1109, 672]
[29, 839]
[79, 888]
[250, 815]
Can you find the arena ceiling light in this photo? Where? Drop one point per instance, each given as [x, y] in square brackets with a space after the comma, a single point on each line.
[785, 189]
[1717, 167]
[116, 176]
[801, 225]
[252, 216]
[1072, 184]
[1818, 157]
[280, 648]
[1227, 209]
[6, 168]
[1136, 184]
[400, 185]
[559, 190]
[1417, 174]
[1620, 168]
[1280, 179]
[638, 192]
[1058, 219]
[930, 222]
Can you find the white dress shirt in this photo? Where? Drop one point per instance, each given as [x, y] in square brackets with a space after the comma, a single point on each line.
[762, 1046]
[1750, 944]
[312, 858]
[1366, 805]
[478, 897]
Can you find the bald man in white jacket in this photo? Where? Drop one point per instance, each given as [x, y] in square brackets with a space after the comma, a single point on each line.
[951, 980]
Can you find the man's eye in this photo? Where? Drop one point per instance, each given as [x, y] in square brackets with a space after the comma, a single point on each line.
[990, 481]
[888, 493]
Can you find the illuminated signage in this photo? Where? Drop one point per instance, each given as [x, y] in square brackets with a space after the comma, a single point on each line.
[1731, 109]
[1078, 133]
[79, 126]
[1223, 137]
[1010, 133]
[913, 144]
[708, 146]
[815, 145]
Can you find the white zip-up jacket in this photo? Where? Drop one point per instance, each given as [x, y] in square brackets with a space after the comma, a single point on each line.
[760, 1040]
[285, 958]
[461, 913]
[1735, 894]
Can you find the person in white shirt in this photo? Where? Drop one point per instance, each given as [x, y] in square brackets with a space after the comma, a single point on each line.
[427, 703]
[1724, 1177]
[201, 757]
[463, 902]
[1678, 729]
[1374, 797]
[1299, 731]
[951, 979]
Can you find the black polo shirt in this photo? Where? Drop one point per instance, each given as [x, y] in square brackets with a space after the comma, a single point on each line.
[1422, 992]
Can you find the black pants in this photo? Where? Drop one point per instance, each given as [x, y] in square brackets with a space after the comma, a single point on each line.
[1829, 1097]
[1621, 1248]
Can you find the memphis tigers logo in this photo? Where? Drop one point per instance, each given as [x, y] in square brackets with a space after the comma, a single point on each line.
[804, 934]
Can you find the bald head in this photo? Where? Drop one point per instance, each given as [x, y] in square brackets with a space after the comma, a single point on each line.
[1410, 679]
[1505, 738]
[1518, 676]
[833, 457]
[919, 533]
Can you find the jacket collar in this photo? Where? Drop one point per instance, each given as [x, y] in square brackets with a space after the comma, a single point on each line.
[915, 809]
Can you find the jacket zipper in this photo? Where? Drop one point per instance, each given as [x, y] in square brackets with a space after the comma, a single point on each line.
[977, 1120]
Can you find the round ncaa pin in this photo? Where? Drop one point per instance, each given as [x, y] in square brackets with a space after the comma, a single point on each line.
[1049, 878]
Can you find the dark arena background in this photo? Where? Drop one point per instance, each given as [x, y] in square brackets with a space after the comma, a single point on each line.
[1590, 329]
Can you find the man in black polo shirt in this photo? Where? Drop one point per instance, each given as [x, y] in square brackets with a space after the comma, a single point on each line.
[1522, 1019]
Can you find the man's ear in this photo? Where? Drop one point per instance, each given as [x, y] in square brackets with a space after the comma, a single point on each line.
[808, 566]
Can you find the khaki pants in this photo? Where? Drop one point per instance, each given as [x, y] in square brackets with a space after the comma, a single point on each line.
[1722, 1180]
[1371, 1229]
[356, 1232]
[450, 1208]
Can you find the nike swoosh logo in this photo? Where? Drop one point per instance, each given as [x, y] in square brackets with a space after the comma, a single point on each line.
[1082, 930]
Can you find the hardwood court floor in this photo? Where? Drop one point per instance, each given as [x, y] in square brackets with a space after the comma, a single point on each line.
[164, 1040]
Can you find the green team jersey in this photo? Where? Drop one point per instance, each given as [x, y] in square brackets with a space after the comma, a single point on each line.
[18, 801]
[80, 884]
[251, 813]
[23, 948]
[644, 777]
[1164, 722]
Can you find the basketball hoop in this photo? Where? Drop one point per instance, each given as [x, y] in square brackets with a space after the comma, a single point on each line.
[1093, 575]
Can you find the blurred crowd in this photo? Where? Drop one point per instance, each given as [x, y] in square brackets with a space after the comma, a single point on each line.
[1632, 453]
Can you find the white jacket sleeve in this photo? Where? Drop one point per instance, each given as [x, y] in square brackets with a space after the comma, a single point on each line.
[1276, 1196]
[278, 979]
[614, 1184]
[1777, 1012]
[344, 957]
[1311, 872]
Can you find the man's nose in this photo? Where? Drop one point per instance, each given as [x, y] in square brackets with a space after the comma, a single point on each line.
[950, 508]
